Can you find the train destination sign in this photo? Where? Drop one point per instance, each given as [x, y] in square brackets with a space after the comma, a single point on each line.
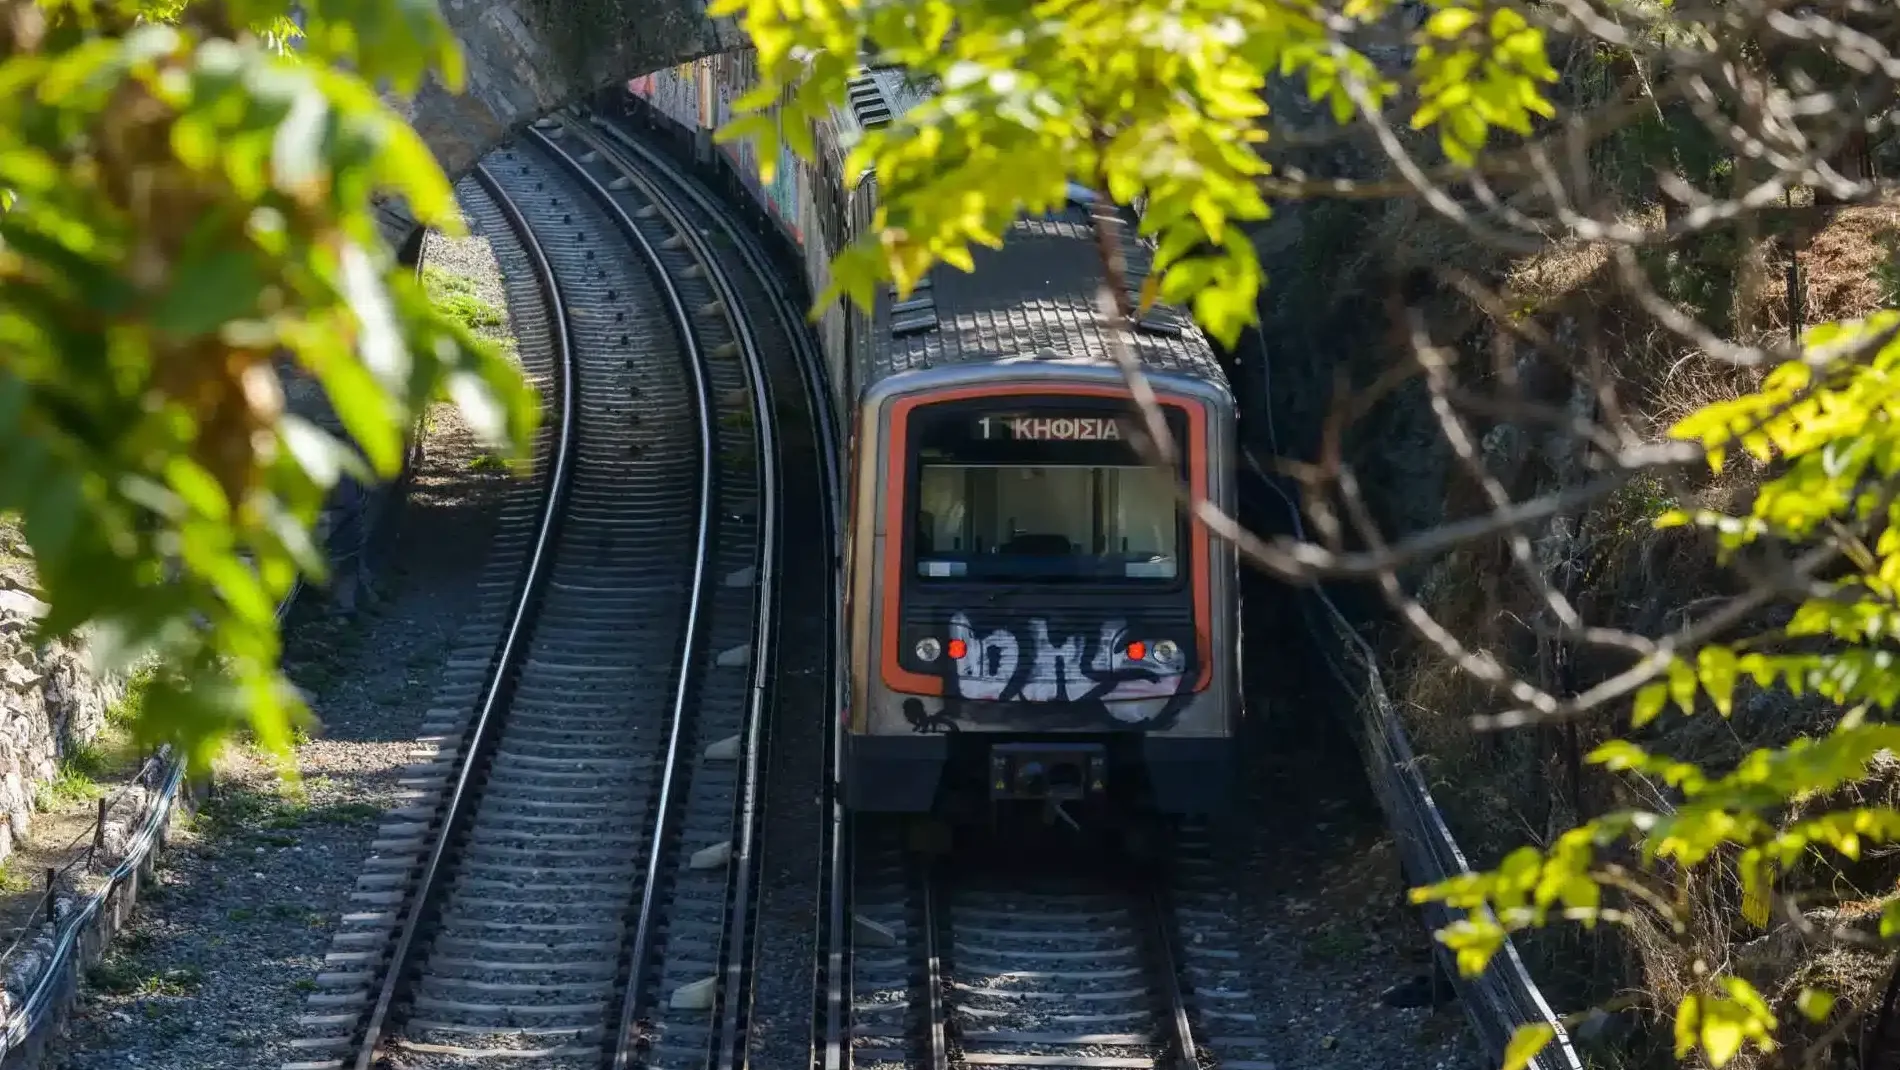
[1050, 428]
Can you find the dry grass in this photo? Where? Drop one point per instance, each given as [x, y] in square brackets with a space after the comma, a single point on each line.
[1500, 791]
[1844, 260]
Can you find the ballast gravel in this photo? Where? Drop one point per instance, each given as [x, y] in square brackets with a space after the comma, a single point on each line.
[1317, 896]
[1315, 892]
[224, 945]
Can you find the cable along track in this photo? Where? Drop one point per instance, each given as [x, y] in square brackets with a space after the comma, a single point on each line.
[515, 905]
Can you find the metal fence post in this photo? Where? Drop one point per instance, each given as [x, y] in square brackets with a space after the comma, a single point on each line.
[1797, 300]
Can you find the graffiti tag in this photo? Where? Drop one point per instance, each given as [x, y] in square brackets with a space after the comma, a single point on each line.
[1021, 674]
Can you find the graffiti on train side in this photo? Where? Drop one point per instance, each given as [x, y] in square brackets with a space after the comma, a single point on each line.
[1017, 673]
[677, 93]
[699, 96]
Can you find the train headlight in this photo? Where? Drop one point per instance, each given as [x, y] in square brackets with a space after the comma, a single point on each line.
[1167, 653]
[928, 648]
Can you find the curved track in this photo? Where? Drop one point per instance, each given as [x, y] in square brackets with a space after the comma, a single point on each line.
[707, 888]
[1007, 969]
[576, 800]
[996, 966]
[805, 750]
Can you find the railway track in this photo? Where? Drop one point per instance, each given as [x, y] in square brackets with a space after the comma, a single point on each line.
[806, 757]
[1018, 963]
[559, 887]
[1005, 966]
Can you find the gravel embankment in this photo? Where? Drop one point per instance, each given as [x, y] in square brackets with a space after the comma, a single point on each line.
[222, 950]
[1313, 879]
[1316, 889]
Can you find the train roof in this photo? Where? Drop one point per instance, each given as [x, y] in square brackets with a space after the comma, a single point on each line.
[1034, 299]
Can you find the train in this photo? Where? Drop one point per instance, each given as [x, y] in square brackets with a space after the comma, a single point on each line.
[1032, 616]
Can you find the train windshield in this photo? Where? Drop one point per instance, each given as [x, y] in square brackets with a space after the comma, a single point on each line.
[1040, 497]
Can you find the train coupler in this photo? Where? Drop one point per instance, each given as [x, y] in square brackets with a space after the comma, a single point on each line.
[1047, 772]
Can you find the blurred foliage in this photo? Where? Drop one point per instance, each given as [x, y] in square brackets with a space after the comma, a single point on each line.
[1825, 423]
[189, 210]
[1142, 100]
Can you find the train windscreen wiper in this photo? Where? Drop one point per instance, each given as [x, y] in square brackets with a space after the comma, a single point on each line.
[1011, 589]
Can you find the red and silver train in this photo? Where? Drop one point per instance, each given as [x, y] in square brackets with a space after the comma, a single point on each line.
[1031, 615]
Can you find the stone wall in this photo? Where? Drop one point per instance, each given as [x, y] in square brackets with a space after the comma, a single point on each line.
[50, 700]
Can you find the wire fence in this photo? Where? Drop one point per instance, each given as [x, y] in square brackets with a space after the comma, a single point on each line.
[1505, 996]
[43, 965]
[119, 810]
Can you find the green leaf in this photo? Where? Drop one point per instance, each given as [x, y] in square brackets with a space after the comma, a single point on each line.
[1814, 1004]
[1526, 1041]
[323, 458]
[1682, 686]
[297, 148]
[1756, 889]
[1688, 1025]
[1721, 1039]
[208, 292]
[1890, 919]
[1717, 667]
[1649, 702]
[197, 488]
[1447, 23]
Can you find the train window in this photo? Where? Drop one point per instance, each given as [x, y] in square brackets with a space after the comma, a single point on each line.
[1039, 497]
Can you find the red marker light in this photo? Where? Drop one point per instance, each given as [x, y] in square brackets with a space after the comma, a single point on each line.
[958, 648]
[1137, 650]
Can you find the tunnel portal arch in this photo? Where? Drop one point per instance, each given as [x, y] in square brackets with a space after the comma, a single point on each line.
[523, 63]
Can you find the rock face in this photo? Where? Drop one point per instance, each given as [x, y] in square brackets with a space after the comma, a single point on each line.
[50, 700]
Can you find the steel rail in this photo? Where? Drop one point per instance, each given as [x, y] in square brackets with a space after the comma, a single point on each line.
[734, 1002]
[1154, 945]
[935, 1014]
[1166, 966]
[513, 645]
[657, 844]
[832, 974]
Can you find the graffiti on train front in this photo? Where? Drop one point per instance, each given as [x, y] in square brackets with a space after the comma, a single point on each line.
[1021, 674]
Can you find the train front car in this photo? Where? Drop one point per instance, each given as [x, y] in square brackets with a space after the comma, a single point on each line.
[1035, 619]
